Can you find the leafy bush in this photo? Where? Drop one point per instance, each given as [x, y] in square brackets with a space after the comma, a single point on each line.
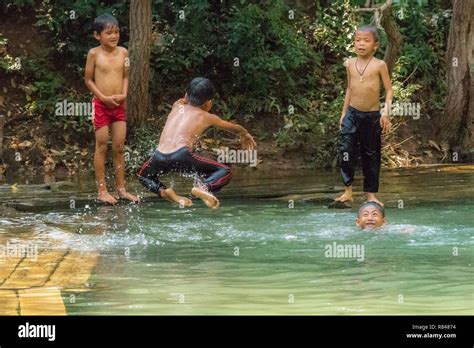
[268, 59]
[144, 144]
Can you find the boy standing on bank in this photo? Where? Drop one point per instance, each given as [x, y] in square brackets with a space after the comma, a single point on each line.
[361, 123]
[106, 77]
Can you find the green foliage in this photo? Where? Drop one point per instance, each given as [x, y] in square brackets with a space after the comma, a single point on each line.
[421, 66]
[266, 61]
[6, 61]
[253, 53]
[269, 49]
[47, 85]
[256, 54]
[313, 127]
[69, 23]
[143, 146]
[334, 29]
[18, 5]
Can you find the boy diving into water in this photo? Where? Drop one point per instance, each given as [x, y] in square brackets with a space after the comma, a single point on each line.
[188, 119]
[361, 123]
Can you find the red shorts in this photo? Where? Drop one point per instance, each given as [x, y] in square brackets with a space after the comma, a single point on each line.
[104, 116]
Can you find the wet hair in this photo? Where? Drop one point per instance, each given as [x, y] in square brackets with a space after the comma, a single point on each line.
[369, 29]
[104, 21]
[373, 204]
[200, 90]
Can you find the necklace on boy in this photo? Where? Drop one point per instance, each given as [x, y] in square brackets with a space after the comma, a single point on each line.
[361, 78]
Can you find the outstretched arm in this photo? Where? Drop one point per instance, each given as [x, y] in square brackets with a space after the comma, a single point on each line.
[246, 140]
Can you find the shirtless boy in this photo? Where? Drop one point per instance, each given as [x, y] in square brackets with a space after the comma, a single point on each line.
[188, 119]
[107, 78]
[361, 123]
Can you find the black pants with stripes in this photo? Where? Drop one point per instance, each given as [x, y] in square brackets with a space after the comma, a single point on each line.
[214, 175]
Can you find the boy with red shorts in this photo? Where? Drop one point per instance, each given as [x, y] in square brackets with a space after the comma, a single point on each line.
[106, 77]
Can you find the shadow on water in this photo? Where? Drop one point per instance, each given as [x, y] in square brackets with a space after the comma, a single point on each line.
[273, 248]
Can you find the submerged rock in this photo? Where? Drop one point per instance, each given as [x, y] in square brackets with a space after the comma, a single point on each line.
[340, 205]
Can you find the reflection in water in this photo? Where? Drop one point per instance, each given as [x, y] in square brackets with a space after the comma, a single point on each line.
[254, 256]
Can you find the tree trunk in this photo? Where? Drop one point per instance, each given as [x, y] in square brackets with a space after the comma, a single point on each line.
[394, 38]
[471, 91]
[455, 125]
[2, 119]
[138, 101]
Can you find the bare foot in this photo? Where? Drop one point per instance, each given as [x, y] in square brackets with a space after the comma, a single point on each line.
[371, 198]
[106, 197]
[346, 196]
[171, 196]
[122, 193]
[208, 198]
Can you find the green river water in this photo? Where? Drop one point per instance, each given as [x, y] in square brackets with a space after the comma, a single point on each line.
[264, 250]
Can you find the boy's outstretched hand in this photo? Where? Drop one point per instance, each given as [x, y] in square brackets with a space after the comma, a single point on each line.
[247, 142]
[385, 123]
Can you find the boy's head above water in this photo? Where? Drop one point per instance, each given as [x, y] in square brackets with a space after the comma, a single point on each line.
[200, 92]
[371, 215]
[106, 29]
[366, 40]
